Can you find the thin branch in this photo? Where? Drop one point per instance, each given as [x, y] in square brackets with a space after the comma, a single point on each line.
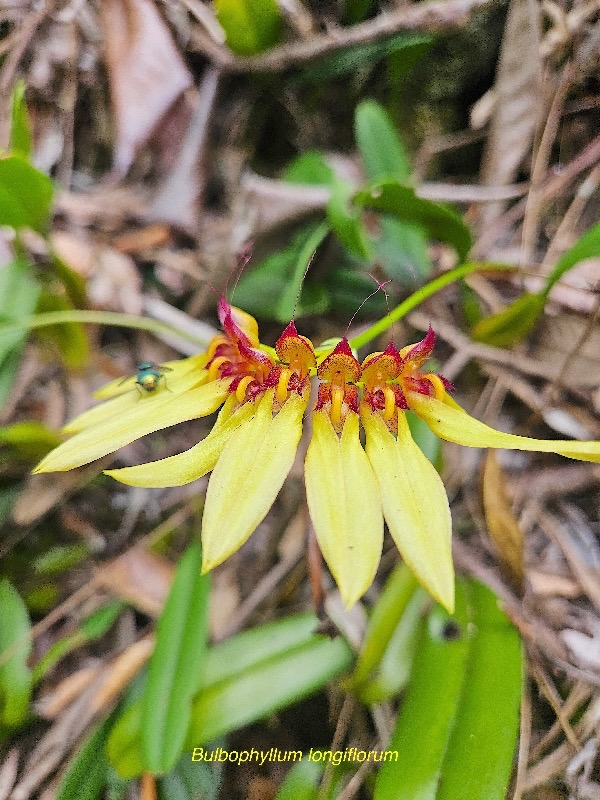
[424, 16]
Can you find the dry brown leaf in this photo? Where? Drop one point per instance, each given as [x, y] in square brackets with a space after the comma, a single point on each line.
[517, 96]
[140, 578]
[145, 70]
[121, 671]
[557, 337]
[50, 704]
[502, 525]
[8, 772]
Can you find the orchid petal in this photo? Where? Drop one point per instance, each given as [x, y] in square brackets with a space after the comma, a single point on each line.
[189, 376]
[451, 422]
[415, 505]
[248, 476]
[149, 414]
[344, 505]
[176, 369]
[193, 463]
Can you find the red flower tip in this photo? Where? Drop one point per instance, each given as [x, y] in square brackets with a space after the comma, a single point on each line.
[421, 351]
[343, 347]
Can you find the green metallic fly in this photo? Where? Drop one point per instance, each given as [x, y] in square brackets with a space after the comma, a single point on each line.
[149, 375]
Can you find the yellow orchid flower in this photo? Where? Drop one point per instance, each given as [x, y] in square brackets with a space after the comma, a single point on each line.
[250, 450]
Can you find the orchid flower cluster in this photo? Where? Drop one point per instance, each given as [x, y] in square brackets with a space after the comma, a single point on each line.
[263, 395]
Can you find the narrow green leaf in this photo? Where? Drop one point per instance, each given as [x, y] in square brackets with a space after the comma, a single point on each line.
[20, 129]
[308, 245]
[191, 781]
[346, 222]
[15, 646]
[86, 776]
[30, 439]
[124, 742]
[302, 781]
[269, 289]
[457, 728]
[60, 558]
[25, 195]
[588, 246]
[397, 592]
[512, 324]
[174, 670]
[427, 714]
[250, 26]
[439, 221]
[480, 753]
[412, 47]
[269, 686]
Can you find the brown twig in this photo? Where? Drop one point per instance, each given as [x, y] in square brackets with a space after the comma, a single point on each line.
[432, 16]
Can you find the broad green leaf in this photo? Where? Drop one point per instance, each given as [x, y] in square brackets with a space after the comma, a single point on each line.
[411, 46]
[15, 646]
[25, 195]
[267, 687]
[379, 145]
[191, 781]
[269, 289]
[401, 246]
[346, 221]
[512, 324]
[349, 287]
[457, 728]
[173, 675]
[250, 26]
[302, 781]
[20, 129]
[438, 220]
[309, 168]
[87, 773]
[29, 439]
[74, 284]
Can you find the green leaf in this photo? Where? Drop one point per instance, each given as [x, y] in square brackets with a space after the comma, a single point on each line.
[191, 781]
[380, 147]
[438, 220]
[385, 660]
[426, 439]
[18, 298]
[242, 680]
[92, 628]
[25, 195]
[70, 338]
[267, 687]
[346, 221]
[250, 26]
[60, 558]
[29, 439]
[15, 646]
[412, 46]
[124, 742]
[307, 245]
[480, 753]
[588, 246]
[512, 324]
[20, 129]
[456, 732]
[309, 168]
[87, 773]
[349, 287]
[269, 289]
[302, 781]
[174, 670]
